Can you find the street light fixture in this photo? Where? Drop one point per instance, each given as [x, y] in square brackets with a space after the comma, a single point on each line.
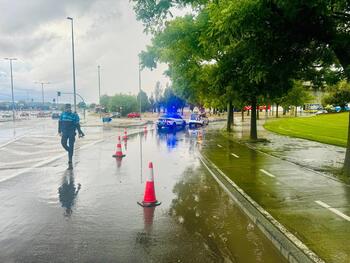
[42, 90]
[74, 86]
[140, 84]
[99, 89]
[99, 84]
[13, 97]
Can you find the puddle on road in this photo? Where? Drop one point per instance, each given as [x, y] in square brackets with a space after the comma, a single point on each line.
[91, 214]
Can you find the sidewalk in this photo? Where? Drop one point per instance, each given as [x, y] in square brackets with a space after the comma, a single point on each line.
[317, 156]
[315, 208]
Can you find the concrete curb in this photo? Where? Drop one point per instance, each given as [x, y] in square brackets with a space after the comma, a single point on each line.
[290, 246]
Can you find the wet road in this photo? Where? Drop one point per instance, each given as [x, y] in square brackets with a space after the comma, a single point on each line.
[91, 215]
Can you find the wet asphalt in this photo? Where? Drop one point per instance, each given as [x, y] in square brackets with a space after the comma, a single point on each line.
[90, 214]
[313, 206]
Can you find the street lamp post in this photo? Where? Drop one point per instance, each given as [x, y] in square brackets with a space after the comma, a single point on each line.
[74, 86]
[42, 90]
[13, 97]
[99, 88]
[99, 84]
[140, 85]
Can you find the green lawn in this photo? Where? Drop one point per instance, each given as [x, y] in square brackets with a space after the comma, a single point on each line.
[327, 128]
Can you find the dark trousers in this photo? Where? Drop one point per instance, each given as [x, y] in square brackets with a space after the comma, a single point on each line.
[67, 142]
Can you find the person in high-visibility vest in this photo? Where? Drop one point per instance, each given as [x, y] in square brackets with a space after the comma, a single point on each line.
[67, 125]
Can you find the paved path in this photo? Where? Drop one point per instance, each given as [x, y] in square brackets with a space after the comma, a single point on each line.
[315, 208]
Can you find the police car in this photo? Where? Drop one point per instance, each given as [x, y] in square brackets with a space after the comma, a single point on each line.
[170, 121]
[197, 120]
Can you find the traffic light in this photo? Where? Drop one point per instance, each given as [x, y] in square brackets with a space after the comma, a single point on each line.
[58, 93]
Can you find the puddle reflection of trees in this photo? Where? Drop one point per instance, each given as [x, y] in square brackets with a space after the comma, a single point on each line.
[205, 211]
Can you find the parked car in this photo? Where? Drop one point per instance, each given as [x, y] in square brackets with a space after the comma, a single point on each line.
[197, 120]
[55, 115]
[171, 120]
[321, 112]
[116, 115]
[41, 114]
[133, 115]
[24, 114]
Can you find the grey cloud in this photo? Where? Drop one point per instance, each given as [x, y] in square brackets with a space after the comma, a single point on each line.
[106, 33]
[24, 45]
[25, 16]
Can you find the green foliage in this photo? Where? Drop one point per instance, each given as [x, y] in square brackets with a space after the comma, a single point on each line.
[171, 102]
[339, 95]
[120, 102]
[145, 104]
[81, 105]
[297, 96]
[92, 105]
[245, 50]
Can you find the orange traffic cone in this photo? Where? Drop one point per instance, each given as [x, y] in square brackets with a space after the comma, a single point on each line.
[149, 198]
[119, 153]
[125, 137]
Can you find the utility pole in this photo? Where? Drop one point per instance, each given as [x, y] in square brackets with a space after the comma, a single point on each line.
[13, 97]
[42, 91]
[99, 84]
[99, 89]
[74, 86]
[140, 86]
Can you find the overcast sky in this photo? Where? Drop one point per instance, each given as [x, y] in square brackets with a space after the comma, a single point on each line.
[38, 34]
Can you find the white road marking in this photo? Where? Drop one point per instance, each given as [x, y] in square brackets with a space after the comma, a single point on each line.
[219, 145]
[54, 158]
[267, 173]
[235, 155]
[335, 211]
[13, 140]
[23, 153]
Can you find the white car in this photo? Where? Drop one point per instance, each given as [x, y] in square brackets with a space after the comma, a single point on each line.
[170, 120]
[321, 112]
[197, 120]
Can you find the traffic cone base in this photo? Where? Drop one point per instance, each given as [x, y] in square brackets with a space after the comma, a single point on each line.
[144, 204]
[118, 156]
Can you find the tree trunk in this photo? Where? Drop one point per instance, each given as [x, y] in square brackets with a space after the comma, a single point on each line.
[253, 130]
[266, 111]
[248, 111]
[284, 111]
[233, 116]
[341, 50]
[242, 115]
[276, 110]
[257, 112]
[229, 116]
[296, 111]
[346, 167]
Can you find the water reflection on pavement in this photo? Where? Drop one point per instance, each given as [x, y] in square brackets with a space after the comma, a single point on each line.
[91, 214]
